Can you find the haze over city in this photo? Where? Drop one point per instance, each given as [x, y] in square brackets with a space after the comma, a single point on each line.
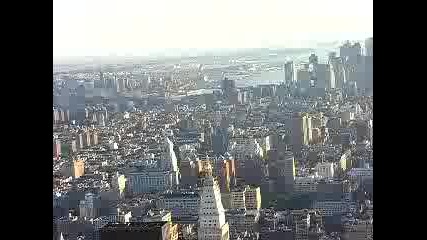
[169, 27]
[213, 120]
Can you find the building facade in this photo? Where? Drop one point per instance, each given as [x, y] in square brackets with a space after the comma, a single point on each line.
[150, 181]
[211, 223]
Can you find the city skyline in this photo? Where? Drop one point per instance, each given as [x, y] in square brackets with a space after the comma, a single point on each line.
[141, 28]
[212, 120]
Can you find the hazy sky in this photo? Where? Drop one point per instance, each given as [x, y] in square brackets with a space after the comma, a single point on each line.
[138, 27]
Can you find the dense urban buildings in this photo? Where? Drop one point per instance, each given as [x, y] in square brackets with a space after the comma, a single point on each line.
[249, 145]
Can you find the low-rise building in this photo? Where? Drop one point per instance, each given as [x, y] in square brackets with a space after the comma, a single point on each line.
[325, 170]
[150, 181]
[157, 215]
[140, 230]
[306, 184]
[181, 204]
[329, 208]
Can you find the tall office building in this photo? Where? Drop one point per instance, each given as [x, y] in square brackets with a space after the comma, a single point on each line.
[200, 81]
[252, 198]
[182, 204]
[307, 129]
[323, 76]
[102, 80]
[189, 172]
[228, 85]
[237, 199]
[219, 141]
[281, 170]
[354, 67]
[251, 169]
[77, 105]
[211, 223]
[78, 168]
[303, 77]
[350, 52]
[369, 47]
[169, 161]
[362, 131]
[301, 130]
[313, 62]
[57, 148]
[297, 132]
[229, 91]
[336, 67]
[145, 82]
[367, 74]
[289, 72]
[285, 171]
[90, 207]
[225, 171]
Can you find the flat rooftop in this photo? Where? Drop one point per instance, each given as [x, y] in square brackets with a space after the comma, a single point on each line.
[134, 226]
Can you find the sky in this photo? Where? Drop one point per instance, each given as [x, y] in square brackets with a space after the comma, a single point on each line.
[141, 27]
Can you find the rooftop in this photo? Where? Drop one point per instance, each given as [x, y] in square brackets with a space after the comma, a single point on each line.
[134, 226]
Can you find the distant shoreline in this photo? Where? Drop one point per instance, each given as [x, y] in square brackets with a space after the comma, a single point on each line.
[76, 63]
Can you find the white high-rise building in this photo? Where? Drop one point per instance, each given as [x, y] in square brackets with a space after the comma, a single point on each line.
[212, 224]
[169, 161]
[307, 129]
[369, 47]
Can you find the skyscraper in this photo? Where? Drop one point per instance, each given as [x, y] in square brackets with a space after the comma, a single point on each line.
[220, 141]
[289, 72]
[368, 71]
[301, 130]
[306, 128]
[169, 161]
[303, 77]
[297, 133]
[229, 91]
[369, 47]
[323, 76]
[212, 224]
[56, 148]
[77, 103]
[285, 164]
[336, 67]
[350, 52]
